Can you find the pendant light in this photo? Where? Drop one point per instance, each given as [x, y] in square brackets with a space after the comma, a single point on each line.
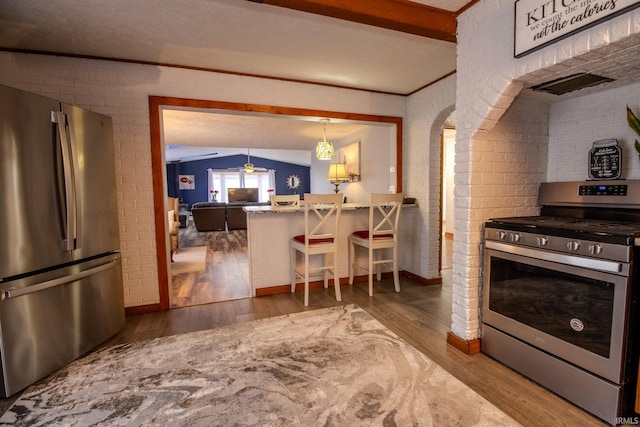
[324, 149]
[248, 167]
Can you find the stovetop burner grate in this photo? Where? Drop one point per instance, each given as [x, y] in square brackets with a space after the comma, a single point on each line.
[578, 228]
[604, 213]
[576, 224]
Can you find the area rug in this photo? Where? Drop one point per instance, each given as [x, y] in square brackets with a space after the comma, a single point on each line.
[328, 367]
[189, 260]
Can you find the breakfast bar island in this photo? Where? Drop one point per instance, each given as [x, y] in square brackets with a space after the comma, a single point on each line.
[269, 230]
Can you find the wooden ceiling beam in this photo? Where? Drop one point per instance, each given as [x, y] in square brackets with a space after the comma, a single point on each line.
[399, 15]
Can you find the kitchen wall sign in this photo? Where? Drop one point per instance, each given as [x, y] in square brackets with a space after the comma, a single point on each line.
[539, 23]
[604, 159]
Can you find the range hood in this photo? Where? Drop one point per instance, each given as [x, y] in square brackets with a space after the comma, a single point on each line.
[571, 83]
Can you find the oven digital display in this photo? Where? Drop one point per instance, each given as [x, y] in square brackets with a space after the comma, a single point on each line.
[603, 190]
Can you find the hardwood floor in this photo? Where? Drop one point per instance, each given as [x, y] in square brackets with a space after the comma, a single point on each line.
[419, 314]
[226, 276]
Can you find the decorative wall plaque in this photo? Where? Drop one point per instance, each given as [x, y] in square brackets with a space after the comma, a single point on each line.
[539, 23]
[604, 159]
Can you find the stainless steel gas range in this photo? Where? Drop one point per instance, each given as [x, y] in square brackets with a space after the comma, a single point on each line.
[560, 294]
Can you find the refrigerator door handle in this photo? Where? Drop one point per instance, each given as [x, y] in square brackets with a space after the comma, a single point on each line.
[77, 202]
[13, 293]
[69, 214]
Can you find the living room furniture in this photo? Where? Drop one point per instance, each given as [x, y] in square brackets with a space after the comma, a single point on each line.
[183, 214]
[214, 216]
[174, 224]
[209, 216]
[183, 218]
[236, 217]
[321, 225]
[384, 216]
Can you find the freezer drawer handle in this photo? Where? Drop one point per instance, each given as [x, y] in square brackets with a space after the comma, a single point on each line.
[12, 293]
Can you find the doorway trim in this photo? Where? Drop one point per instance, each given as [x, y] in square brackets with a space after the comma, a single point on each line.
[157, 160]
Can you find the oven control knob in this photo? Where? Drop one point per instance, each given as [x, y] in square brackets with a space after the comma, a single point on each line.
[595, 249]
[542, 241]
[573, 245]
[515, 237]
[502, 235]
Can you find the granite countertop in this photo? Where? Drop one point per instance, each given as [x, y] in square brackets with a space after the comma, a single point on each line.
[288, 209]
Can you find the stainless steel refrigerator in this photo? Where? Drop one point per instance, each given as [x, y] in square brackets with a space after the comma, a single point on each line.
[60, 269]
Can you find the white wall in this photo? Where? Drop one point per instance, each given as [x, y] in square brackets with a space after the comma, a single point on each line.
[377, 154]
[121, 91]
[427, 111]
[448, 162]
[576, 123]
[489, 78]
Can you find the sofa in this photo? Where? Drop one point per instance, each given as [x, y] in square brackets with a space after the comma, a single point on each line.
[236, 217]
[209, 216]
[214, 216]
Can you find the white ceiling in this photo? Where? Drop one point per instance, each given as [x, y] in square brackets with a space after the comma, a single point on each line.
[236, 36]
[232, 133]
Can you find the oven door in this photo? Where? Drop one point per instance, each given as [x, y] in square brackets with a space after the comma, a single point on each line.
[574, 313]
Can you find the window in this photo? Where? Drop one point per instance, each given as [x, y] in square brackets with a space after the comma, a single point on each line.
[222, 180]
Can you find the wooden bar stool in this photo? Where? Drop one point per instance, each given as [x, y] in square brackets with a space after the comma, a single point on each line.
[321, 224]
[286, 200]
[384, 215]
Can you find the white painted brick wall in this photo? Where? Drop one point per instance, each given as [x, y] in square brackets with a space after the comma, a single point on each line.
[121, 91]
[575, 124]
[489, 78]
[506, 164]
[426, 112]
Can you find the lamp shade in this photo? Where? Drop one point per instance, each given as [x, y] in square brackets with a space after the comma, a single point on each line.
[324, 150]
[337, 173]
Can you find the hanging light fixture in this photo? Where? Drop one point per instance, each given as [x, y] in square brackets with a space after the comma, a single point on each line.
[324, 149]
[248, 167]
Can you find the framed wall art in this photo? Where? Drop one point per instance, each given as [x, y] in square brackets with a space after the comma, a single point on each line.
[350, 155]
[186, 182]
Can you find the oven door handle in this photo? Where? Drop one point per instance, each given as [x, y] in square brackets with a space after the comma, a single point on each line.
[597, 264]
